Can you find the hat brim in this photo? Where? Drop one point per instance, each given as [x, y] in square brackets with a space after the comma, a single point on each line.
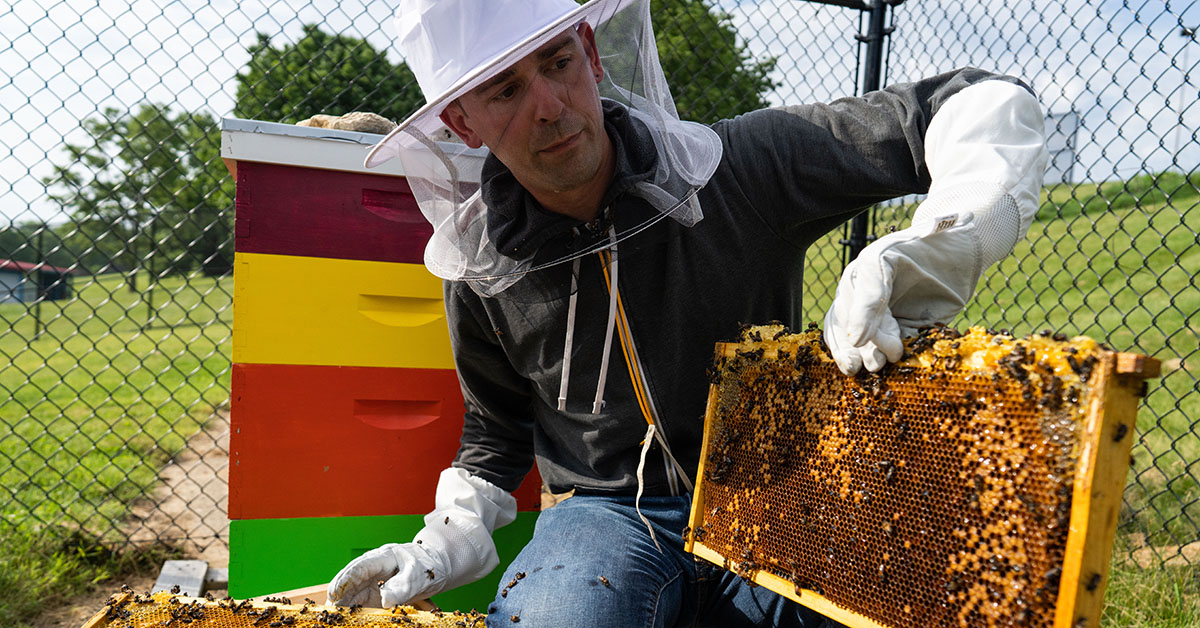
[426, 120]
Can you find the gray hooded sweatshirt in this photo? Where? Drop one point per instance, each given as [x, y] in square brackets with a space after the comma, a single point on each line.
[787, 176]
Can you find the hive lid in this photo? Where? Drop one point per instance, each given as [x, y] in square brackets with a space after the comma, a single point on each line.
[310, 147]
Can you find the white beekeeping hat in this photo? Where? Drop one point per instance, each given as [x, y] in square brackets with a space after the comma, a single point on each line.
[454, 46]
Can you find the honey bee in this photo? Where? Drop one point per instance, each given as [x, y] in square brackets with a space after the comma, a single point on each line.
[1052, 578]
[888, 468]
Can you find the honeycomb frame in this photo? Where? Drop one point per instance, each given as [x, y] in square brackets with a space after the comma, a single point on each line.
[166, 610]
[1084, 427]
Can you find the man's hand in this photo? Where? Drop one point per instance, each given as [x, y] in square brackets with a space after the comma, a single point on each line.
[889, 291]
[919, 276]
[986, 153]
[454, 548]
[399, 572]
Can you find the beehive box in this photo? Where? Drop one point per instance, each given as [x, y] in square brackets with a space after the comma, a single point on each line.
[343, 378]
[974, 483]
[131, 610]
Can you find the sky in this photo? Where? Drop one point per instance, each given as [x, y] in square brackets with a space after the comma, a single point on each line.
[1118, 65]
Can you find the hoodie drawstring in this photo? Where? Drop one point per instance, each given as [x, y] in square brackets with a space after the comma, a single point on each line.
[613, 299]
[566, 371]
[568, 342]
[616, 317]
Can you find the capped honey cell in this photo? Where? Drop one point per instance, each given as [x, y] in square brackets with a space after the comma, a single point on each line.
[937, 492]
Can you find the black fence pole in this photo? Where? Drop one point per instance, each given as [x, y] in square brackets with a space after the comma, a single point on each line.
[872, 71]
[150, 274]
[37, 282]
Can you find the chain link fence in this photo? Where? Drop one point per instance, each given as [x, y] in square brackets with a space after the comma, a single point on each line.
[116, 245]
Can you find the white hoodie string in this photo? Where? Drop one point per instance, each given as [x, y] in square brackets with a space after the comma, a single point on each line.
[613, 297]
[673, 471]
[569, 341]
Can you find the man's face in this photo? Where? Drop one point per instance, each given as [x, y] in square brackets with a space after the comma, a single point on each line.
[542, 116]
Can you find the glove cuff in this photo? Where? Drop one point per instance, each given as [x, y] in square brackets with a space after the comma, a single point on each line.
[994, 212]
[460, 492]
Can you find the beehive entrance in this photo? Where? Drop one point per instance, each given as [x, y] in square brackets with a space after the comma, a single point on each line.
[937, 494]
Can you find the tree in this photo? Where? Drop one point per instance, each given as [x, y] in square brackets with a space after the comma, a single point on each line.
[711, 75]
[323, 73]
[147, 190]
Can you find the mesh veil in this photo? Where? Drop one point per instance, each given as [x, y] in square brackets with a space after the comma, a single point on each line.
[445, 174]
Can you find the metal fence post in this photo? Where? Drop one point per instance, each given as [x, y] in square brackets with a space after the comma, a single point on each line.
[874, 38]
[872, 73]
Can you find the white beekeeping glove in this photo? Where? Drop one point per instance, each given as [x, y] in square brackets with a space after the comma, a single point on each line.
[986, 153]
[454, 548]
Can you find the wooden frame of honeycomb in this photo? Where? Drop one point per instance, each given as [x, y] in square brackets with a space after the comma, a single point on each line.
[976, 482]
[165, 610]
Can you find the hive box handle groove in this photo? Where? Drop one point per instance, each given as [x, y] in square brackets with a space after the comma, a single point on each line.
[393, 206]
[395, 311]
[391, 414]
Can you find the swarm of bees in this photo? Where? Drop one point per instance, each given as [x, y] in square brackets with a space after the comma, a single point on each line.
[167, 610]
[936, 492]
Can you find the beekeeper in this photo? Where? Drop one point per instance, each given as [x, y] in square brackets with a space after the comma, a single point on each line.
[601, 249]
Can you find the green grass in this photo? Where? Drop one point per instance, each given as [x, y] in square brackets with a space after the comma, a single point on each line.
[98, 398]
[45, 567]
[1167, 597]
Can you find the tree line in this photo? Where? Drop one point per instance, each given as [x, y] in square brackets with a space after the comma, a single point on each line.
[149, 192]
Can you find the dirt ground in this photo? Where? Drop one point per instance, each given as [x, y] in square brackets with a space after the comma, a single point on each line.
[188, 508]
[78, 610]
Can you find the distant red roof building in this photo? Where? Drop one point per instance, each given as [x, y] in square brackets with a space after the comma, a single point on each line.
[25, 267]
[25, 282]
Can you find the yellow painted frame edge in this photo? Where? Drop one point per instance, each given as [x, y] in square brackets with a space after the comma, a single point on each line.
[1099, 485]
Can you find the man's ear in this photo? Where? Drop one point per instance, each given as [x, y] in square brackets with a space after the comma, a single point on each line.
[588, 38]
[454, 117]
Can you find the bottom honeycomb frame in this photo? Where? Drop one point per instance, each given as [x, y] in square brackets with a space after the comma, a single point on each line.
[976, 482]
[165, 610]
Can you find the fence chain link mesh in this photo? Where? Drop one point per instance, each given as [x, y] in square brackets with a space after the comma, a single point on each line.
[116, 247]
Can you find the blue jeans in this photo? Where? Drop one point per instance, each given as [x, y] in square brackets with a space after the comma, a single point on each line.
[591, 563]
